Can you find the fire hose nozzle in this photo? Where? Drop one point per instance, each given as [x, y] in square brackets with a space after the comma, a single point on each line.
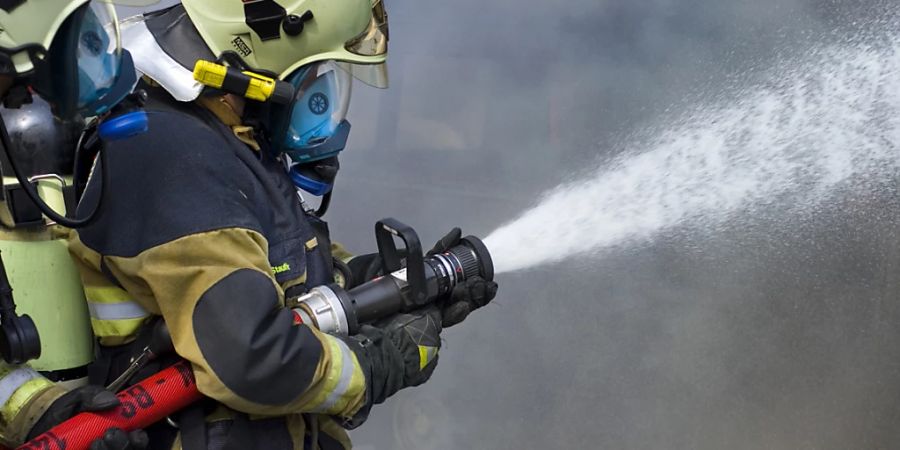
[424, 280]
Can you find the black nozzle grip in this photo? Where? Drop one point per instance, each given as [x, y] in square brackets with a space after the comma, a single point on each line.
[385, 230]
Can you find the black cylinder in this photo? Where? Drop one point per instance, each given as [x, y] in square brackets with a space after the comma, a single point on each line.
[379, 298]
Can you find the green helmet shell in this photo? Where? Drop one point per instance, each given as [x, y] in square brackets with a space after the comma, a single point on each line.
[33, 23]
[334, 23]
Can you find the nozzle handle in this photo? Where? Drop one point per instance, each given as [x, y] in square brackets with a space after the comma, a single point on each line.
[385, 230]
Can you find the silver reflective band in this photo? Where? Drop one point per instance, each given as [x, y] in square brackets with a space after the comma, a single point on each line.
[13, 381]
[117, 311]
[344, 383]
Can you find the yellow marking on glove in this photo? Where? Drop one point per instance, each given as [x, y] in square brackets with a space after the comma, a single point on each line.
[426, 355]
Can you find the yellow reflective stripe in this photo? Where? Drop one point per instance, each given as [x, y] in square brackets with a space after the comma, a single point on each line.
[12, 379]
[357, 385]
[106, 294]
[331, 352]
[115, 317]
[343, 381]
[23, 390]
[343, 385]
[114, 332]
[426, 354]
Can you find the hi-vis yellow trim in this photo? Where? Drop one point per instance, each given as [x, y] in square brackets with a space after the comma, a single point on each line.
[331, 353]
[115, 317]
[343, 380]
[106, 294]
[22, 396]
[426, 355]
[116, 332]
[18, 385]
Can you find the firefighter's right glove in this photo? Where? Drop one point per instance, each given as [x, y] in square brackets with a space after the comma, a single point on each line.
[89, 399]
[397, 353]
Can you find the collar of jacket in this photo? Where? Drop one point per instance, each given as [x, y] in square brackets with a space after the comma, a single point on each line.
[225, 113]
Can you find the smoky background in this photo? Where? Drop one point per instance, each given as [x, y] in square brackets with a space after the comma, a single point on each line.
[776, 330]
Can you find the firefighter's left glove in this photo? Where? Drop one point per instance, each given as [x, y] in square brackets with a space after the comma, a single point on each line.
[89, 399]
[467, 296]
[397, 353]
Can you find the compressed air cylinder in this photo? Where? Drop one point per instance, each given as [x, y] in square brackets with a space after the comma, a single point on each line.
[47, 287]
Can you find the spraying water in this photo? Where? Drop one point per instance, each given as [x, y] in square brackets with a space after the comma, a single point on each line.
[829, 121]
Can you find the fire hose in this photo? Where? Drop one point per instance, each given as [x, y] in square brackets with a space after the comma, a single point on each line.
[331, 309]
[143, 404]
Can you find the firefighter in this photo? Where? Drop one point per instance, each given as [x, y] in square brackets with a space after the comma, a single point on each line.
[204, 231]
[68, 53]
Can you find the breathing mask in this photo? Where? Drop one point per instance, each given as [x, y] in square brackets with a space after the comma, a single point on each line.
[313, 126]
[85, 71]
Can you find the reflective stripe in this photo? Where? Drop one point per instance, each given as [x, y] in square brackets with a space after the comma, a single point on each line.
[13, 380]
[426, 354]
[115, 317]
[337, 379]
[343, 383]
[117, 311]
[106, 294]
[23, 396]
[116, 332]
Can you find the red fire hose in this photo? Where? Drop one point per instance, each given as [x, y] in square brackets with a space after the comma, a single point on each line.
[143, 404]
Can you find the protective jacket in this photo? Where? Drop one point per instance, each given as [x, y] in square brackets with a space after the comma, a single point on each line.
[200, 228]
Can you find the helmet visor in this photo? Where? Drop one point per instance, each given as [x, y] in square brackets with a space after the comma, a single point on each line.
[319, 108]
[373, 41]
[86, 71]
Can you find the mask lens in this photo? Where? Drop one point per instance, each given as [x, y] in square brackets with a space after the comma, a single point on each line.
[98, 55]
[319, 108]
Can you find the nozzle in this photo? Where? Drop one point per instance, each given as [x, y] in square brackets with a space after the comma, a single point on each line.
[422, 281]
[474, 258]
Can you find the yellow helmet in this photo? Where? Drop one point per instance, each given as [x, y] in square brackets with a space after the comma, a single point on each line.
[285, 35]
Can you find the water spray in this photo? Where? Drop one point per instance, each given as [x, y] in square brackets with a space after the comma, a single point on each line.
[830, 122]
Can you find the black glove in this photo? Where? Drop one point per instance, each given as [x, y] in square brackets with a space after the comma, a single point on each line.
[89, 399]
[468, 296]
[118, 439]
[395, 354]
[364, 268]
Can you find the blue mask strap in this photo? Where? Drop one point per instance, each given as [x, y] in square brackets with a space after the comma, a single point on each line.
[308, 184]
[124, 126]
